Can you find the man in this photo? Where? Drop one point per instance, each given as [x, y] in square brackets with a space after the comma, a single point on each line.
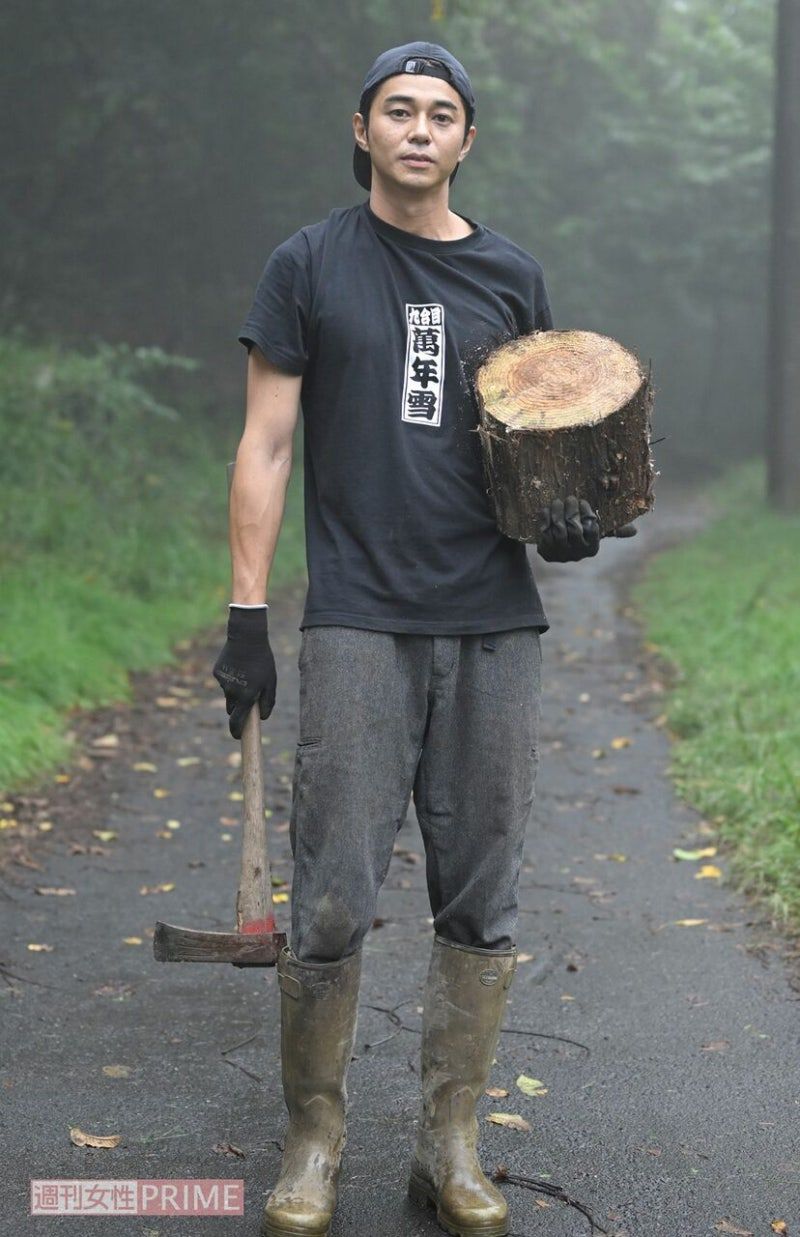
[420, 651]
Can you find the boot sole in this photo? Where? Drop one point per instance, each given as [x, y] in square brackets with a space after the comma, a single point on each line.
[268, 1229]
[422, 1192]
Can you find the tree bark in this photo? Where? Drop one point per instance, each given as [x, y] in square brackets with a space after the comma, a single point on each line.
[782, 447]
[565, 412]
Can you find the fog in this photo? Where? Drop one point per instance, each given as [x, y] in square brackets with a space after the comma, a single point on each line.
[155, 154]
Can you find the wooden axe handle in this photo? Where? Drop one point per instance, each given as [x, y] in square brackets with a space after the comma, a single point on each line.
[254, 909]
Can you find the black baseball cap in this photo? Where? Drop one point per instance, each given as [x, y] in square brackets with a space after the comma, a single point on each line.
[427, 58]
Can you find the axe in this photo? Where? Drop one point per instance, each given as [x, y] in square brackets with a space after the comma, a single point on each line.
[256, 942]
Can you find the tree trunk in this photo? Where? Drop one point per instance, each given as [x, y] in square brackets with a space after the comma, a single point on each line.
[783, 365]
[565, 412]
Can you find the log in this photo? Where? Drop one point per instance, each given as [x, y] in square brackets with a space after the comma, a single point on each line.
[565, 412]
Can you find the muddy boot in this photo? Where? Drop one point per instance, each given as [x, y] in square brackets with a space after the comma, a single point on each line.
[465, 997]
[319, 1002]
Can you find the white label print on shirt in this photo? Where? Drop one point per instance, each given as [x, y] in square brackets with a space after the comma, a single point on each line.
[424, 374]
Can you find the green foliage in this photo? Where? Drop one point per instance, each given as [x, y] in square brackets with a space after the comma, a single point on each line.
[724, 609]
[114, 543]
[91, 460]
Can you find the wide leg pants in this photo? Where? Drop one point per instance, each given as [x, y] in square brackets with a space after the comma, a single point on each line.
[453, 720]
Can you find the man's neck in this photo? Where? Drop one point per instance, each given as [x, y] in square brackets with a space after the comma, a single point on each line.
[430, 217]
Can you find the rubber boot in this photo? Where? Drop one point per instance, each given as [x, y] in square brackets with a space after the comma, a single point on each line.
[465, 996]
[319, 1004]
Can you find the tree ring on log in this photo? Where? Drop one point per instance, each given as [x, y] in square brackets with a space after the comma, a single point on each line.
[565, 412]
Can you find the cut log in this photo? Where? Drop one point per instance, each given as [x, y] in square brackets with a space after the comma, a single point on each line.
[565, 412]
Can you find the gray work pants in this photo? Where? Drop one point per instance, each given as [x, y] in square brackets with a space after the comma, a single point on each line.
[453, 720]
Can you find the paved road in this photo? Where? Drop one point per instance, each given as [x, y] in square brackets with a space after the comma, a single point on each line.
[669, 1053]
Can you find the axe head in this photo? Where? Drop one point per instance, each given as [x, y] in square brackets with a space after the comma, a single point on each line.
[173, 944]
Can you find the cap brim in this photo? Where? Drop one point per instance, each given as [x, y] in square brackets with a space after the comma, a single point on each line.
[362, 167]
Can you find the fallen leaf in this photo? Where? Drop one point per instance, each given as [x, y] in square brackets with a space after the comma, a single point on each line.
[144, 766]
[621, 741]
[173, 824]
[106, 740]
[703, 852]
[180, 691]
[707, 871]
[25, 861]
[184, 761]
[58, 891]
[626, 790]
[168, 702]
[81, 1139]
[117, 991]
[228, 1149]
[132, 940]
[228, 820]
[36, 948]
[725, 1226]
[531, 1086]
[8, 822]
[280, 897]
[598, 753]
[104, 835]
[236, 796]
[62, 778]
[45, 826]
[616, 856]
[235, 759]
[525, 957]
[117, 1071]
[688, 923]
[277, 881]
[716, 1045]
[160, 793]
[512, 1120]
[157, 888]
[779, 1226]
[408, 856]
[496, 1093]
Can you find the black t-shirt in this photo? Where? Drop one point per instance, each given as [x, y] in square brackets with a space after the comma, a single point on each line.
[386, 328]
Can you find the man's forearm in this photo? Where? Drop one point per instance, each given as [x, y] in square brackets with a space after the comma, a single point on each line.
[258, 497]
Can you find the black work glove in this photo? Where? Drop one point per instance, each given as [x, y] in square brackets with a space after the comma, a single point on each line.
[569, 531]
[627, 530]
[245, 669]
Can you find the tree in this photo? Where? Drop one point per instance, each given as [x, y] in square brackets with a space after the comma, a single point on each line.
[783, 420]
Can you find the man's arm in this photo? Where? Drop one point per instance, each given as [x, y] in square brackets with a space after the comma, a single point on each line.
[261, 476]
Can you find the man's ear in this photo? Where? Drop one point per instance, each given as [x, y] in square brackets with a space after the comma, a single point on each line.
[360, 131]
[469, 138]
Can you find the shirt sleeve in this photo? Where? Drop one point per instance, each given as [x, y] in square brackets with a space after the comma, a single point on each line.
[279, 315]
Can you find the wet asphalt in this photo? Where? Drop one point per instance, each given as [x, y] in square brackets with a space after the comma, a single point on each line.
[668, 1053]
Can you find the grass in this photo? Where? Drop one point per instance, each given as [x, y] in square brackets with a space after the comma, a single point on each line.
[114, 538]
[724, 610]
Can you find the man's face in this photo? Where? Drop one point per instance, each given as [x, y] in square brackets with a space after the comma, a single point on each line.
[416, 131]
